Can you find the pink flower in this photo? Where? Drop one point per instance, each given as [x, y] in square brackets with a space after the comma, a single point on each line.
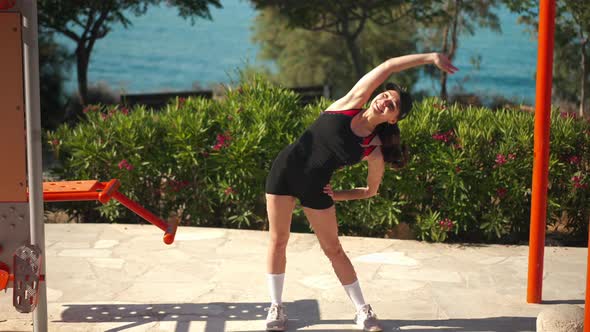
[446, 223]
[229, 191]
[222, 141]
[567, 115]
[444, 137]
[55, 142]
[125, 110]
[574, 160]
[125, 164]
[500, 159]
[457, 169]
[205, 154]
[512, 156]
[90, 108]
[501, 192]
[177, 185]
[577, 182]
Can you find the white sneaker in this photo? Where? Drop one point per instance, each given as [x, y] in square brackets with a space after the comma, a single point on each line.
[276, 320]
[366, 319]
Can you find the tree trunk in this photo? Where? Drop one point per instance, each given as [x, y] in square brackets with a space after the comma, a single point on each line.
[453, 47]
[356, 57]
[350, 39]
[583, 80]
[443, 75]
[82, 60]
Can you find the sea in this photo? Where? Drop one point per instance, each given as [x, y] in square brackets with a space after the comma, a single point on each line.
[162, 52]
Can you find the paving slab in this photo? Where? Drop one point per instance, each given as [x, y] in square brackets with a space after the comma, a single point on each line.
[109, 277]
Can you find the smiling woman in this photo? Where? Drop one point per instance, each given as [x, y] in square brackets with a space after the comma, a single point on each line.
[344, 134]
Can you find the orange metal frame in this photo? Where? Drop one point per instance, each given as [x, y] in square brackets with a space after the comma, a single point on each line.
[541, 161]
[91, 190]
[541, 150]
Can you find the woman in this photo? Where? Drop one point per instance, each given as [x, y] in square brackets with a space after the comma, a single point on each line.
[343, 134]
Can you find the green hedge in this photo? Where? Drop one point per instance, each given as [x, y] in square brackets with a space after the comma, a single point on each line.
[469, 178]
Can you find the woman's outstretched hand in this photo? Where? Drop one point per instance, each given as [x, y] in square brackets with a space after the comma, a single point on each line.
[328, 190]
[444, 64]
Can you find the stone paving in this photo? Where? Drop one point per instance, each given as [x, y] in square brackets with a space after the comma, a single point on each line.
[103, 277]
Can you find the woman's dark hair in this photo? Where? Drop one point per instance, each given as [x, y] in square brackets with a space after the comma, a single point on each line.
[405, 98]
[394, 152]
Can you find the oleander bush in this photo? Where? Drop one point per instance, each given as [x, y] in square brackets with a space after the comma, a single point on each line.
[468, 179]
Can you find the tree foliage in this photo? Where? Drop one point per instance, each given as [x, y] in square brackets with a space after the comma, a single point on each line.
[308, 57]
[347, 19]
[572, 45]
[54, 66]
[85, 22]
[455, 18]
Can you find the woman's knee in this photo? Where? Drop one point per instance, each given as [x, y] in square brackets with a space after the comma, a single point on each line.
[334, 251]
[279, 241]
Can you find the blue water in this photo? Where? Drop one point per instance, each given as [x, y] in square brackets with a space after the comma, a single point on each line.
[163, 52]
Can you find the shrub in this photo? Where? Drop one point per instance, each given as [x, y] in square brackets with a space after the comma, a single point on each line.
[468, 179]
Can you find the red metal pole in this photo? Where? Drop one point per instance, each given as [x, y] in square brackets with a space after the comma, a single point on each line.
[541, 150]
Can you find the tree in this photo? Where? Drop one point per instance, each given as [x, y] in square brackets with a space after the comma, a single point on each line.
[85, 22]
[457, 17]
[54, 65]
[346, 19]
[305, 57]
[572, 45]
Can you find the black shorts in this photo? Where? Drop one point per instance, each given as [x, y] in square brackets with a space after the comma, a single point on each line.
[286, 178]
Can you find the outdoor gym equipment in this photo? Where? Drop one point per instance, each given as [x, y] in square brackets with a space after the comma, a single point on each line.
[22, 193]
[68, 191]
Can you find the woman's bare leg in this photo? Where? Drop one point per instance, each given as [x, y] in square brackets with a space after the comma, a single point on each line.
[325, 226]
[280, 210]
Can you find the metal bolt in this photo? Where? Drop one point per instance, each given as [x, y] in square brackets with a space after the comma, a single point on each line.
[13, 226]
[21, 217]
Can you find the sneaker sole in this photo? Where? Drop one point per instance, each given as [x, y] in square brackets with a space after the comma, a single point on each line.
[374, 329]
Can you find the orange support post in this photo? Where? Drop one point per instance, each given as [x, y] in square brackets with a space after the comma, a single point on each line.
[541, 150]
[586, 306]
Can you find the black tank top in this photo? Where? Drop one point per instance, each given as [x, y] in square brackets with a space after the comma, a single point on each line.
[329, 143]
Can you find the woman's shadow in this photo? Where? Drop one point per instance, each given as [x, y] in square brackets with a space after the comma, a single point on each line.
[303, 314]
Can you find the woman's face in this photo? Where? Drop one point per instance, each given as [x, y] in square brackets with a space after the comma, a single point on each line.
[386, 106]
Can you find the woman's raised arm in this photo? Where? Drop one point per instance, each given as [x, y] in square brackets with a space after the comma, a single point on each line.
[363, 89]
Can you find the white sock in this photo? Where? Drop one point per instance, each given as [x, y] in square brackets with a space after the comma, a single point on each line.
[355, 294]
[275, 286]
